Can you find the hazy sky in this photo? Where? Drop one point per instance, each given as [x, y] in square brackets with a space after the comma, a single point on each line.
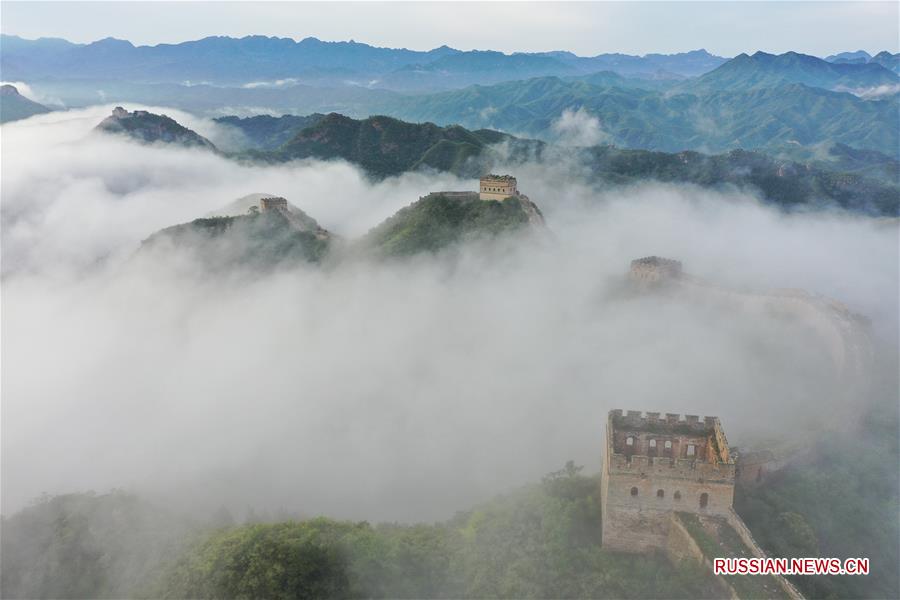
[587, 28]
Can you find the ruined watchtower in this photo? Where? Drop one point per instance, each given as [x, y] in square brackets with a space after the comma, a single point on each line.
[497, 187]
[274, 203]
[654, 269]
[654, 466]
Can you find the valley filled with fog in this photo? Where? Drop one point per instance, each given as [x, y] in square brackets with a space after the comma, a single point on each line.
[391, 389]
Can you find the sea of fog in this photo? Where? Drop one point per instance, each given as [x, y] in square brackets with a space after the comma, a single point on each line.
[397, 390]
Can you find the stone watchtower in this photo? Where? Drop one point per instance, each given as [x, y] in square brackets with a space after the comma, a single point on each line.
[267, 204]
[497, 187]
[654, 466]
[654, 269]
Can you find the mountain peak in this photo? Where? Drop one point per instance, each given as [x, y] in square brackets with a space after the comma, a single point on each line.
[148, 127]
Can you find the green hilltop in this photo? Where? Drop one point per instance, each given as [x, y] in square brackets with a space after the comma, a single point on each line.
[285, 237]
[442, 219]
[150, 128]
[260, 240]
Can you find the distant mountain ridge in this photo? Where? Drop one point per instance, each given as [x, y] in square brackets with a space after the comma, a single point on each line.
[861, 57]
[770, 70]
[236, 61]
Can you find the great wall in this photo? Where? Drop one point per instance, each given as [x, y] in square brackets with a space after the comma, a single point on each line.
[844, 335]
[668, 484]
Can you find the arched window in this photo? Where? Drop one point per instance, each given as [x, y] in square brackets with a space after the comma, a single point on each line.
[691, 449]
[704, 500]
[660, 494]
[634, 491]
[629, 441]
[677, 496]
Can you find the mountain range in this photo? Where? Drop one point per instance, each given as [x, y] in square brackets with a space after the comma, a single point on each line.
[264, 60]
[883, 58]
[760, 101]
[770, 70]
[859, 181]
[711, 120]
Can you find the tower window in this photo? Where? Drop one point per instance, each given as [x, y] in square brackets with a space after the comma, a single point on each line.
[653, 443]
[691, 449]
[677, 495]
[668, 444]
[634, 491]
[629, 441]
[704, 500]
[660, 494]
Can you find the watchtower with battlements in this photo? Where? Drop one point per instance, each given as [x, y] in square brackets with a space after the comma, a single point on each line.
[656, 465]
[497, 187]
[275, 203]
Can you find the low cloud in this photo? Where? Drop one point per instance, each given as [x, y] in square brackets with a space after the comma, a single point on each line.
[872, 93]
[30, 93]
[579, 128]
[383, 390]
[276, 83]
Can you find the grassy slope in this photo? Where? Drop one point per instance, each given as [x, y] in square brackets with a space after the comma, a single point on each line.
[438, 221]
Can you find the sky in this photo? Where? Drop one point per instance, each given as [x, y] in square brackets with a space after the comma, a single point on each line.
[586, 28]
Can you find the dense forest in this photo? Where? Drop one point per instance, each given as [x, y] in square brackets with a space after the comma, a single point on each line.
[841, 502]
[538, 541]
